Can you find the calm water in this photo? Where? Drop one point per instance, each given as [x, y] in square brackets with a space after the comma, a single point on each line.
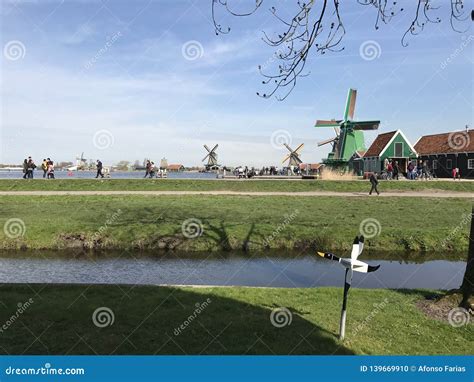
[113, 175]
[279, 271]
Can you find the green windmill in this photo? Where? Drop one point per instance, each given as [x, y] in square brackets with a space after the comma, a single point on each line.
[349, 134]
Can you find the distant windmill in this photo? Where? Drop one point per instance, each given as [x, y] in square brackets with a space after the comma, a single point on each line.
[164, 164]
[349, 133]
[211, 157]
[293, 157]
[81, 163]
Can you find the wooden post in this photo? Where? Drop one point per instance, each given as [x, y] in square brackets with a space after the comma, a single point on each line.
[342, 322]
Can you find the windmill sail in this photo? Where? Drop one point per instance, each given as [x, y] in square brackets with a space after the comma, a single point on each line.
[349, 133]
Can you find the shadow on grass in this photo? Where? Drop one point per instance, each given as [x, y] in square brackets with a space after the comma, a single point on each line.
[151, 320]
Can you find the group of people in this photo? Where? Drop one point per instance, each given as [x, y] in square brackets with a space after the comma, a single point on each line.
[151, 170]
[29, 167]
[414, 170]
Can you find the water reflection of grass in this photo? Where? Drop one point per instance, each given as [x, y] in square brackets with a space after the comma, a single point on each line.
[398, 256]
[227, 185]
[228, 223]
[234, 321]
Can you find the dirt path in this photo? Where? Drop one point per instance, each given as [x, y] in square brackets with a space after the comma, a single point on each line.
[418, 194]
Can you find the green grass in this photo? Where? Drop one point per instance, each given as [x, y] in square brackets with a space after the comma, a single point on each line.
[227, 185]
[239, 222]
[58, 320]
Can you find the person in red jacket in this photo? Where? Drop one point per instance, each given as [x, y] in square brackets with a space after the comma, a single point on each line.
[456, 173]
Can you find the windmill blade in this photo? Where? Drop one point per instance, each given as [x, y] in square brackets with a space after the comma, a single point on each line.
[207, 148]
[337, 130]
[298, 148]
[355, 249]
[215, 147]
[329, 256]
[286, 158]
[327, 123]
[325, 142]
[203, 159]
[362, 267]
[373, 268]
[288, 147]
[364, 125]
[297, 158]
[361, 244]
[350, 105]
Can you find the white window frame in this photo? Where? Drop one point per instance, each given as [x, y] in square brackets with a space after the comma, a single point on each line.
[470, 164]
[435, 164]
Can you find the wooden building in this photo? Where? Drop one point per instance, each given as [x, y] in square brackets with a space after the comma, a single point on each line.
[443, 152]
[175, 167]
[389, 146]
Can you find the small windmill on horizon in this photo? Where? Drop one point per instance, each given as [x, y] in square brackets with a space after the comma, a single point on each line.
[293, 157]
[211, 157]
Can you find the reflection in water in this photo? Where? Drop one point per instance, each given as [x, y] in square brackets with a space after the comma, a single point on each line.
[274, 271]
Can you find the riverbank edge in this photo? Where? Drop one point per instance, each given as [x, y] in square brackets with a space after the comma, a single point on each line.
[78, 243]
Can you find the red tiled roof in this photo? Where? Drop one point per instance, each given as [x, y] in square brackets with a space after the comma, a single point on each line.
[312, 166]
[379, 144]
[174, 166]
[446, 143]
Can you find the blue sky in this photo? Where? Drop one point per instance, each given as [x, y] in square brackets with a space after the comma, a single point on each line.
[114, 79]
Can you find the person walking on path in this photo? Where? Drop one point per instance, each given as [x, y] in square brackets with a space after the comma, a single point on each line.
[456, 173]
[374, 182]
[396, 170]
[411, 171]
[31, 168]
[44, 167]
[152, 169]
[389, 171]
[99, 169]
[25, 168]
[147, 168]
[50, 169]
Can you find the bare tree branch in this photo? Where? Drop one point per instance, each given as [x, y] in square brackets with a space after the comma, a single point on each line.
[319, 28]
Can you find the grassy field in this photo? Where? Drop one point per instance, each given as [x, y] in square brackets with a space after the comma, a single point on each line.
[155, 320]
[226, 185]
[228, 223]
